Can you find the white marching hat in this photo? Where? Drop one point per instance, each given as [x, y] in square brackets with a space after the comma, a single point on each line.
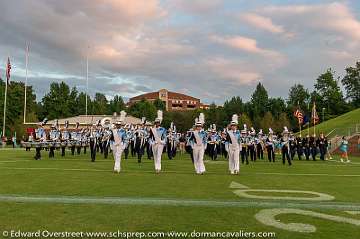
[244, 131]
[201, 120]
[286, 131]
[159, 117]
[121, 121]
[235, 119]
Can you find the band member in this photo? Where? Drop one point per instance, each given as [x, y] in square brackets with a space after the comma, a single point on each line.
[118, 141]
[270, 146]
[322, 144]
[140, 135]
[198, 141]
[285, 147]
[306, 147]
[313, 148]
[129, 136]
[93, 140]
[65, 137]
[260, 144]
[292, 144]
[158, 140]
[54, 137]
[233, 140]
[251, 145]
[147, 143]
[223, 145]
[188, 146]
[299, 147]
[40, 137]
[172, 141]
[244, 145]
[79, 133]
[105, 140]
[213, 143]
[73, 137]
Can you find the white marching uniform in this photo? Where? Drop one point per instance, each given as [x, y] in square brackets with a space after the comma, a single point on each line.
[198, 144]
[118, 145]
[234, 148]
[157, 142]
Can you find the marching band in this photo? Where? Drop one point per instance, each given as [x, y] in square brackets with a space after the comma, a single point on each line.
[153, 139]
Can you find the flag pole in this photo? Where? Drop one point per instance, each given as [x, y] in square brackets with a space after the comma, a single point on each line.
[26, 78]
[87, 81]
[314, 120]
[299, 120]
[5, 98]
[309, 120]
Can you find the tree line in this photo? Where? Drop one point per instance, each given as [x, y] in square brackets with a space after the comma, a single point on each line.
[261, 111]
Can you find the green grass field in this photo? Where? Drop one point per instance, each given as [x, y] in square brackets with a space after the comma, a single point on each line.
[342, 125]
[73, 194]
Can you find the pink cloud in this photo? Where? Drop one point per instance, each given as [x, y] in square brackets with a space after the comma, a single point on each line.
[334, 17]
[261, 22]
[250, 45]
[236, 72]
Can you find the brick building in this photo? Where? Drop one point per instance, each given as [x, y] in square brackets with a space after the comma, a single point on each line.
[173, 101]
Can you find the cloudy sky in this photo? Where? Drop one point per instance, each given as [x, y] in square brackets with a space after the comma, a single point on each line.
[211, 49]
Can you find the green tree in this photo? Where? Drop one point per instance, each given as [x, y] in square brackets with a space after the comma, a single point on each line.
[259, 101]
[332, 99]
[159, 104]
[60, 102]
[245, 119]
[100, 104]
[116, 104]
[143, 108]
[81, 104]
[279, 124]
[276, 106]
[298, 96]
[15, 107]
[351, 82]
[267, 121]
[233, 106]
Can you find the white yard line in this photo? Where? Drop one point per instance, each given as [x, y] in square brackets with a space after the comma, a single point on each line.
[178, 202]
[147, 171]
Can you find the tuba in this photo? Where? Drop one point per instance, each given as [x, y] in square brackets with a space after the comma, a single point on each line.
[106, 123]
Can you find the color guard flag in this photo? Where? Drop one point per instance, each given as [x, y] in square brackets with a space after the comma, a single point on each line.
[314, 115]
[8, 69]
[299, 115]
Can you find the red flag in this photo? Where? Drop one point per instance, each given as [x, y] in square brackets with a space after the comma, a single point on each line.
[299, 115]
[314, 115]
[8, 69]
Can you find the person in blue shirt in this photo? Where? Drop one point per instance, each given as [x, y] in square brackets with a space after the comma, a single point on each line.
[157, 140]
[233, 145]
[198, 141]
[344, 146]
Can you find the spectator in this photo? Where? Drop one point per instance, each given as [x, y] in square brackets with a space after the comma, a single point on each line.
[344, 150]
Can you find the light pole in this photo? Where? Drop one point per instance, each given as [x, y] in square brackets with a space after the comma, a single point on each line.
[323, 114]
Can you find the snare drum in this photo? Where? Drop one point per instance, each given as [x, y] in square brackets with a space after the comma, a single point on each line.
[35, 145]
[57, 145]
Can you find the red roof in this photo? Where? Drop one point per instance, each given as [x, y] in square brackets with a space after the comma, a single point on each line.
[171, 96]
